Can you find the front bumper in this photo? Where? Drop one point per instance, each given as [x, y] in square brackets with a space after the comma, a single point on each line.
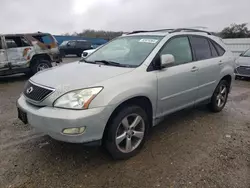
[52, 121]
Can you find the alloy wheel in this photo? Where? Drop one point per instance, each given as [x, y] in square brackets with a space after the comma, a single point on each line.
[42, 66]
[130, 133]
[221, 96]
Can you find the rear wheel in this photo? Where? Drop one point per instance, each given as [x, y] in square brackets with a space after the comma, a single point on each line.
[220, 95]
[40, 65]
[127, 132]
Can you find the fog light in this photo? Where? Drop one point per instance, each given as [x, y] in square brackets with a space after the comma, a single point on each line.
[74, 131]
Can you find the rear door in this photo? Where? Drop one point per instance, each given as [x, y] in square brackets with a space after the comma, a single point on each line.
[3, 56]
[17, 47]
[208, 62]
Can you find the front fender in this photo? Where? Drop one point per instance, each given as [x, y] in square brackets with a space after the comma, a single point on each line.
[120, 90]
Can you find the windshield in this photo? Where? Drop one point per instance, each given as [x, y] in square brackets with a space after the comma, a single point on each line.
[127, 50]
[247, 53]
[64, 43]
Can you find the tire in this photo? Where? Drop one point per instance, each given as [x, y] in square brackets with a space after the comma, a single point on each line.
[79, 55]
[119, 148]
[40, 65]
[62, 54]
[219, 94]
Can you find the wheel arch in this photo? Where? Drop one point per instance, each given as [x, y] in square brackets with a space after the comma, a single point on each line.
[40, 56]
[142, 101]
[229, 79]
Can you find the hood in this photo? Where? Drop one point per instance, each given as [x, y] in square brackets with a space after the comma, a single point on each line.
[77, 75]
[243, 61]
[89, 51]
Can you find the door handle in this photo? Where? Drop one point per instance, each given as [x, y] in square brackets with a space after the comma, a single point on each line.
[194, 69]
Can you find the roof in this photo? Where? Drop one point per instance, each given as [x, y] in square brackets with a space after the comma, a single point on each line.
[22, 34]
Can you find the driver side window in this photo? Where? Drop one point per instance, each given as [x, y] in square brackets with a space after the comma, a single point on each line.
[180, 48]
[71, 43]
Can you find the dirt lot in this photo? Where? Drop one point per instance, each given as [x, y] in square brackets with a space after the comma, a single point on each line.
[192, 148]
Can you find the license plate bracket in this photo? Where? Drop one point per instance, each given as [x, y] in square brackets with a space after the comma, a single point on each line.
[22, 116]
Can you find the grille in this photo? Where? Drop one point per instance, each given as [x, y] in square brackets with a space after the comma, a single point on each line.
[243, 70]
[35, 92]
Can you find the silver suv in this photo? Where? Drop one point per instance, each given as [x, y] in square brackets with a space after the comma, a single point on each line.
[115, 95]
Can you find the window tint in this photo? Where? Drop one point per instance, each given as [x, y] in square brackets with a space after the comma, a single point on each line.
[180, 49]
[219, 49]
[16, 42]
[201, 48]
[83, 44]
[72, 43]
[213, 50]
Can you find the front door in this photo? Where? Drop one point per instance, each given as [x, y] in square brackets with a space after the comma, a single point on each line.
[3, 56]
[177, 84]
[71, 47]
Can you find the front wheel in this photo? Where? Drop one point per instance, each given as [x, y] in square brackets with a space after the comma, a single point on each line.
[219, 98]
[127, 132]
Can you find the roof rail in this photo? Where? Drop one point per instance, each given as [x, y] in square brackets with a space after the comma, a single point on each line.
[170, 31]
[145, 31]
[190, 30]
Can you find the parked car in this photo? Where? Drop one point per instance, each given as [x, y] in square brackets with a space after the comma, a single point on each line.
[114, 97]
[74, 47]
[243, 65]
[85, 53]
[27, 53]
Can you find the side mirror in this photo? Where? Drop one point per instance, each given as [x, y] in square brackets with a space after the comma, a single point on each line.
[166, 60]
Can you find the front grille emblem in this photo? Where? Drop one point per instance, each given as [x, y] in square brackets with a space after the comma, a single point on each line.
[29, 90]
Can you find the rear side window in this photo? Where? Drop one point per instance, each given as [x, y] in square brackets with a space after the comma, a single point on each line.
[46, 39]
[85, 44]
[16, 42]
[219, 49]
[1, 43]
[213, 50]
[180, 48]
[201, 48]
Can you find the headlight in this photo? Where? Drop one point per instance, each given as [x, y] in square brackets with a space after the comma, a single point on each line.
[78, 99]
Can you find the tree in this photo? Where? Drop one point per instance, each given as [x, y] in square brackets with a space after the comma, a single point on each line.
[108, 35]
[235, 31]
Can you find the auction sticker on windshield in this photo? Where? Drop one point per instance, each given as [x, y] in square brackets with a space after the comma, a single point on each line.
[152, 41]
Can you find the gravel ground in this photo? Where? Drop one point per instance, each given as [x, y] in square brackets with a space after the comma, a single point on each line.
[191, 148]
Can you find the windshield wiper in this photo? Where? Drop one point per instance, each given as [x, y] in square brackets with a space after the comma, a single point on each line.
[112, 63]
[85, 61]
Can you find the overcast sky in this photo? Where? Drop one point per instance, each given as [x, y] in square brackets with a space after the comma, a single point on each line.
[61, 16]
